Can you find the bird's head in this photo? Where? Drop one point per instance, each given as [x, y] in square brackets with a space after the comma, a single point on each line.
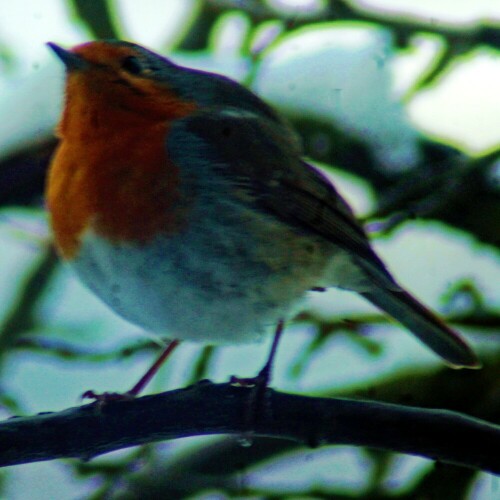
[123, 76]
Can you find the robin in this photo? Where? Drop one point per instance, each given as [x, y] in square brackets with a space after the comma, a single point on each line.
[182, 200]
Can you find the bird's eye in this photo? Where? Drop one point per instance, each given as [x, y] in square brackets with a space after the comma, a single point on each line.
[132, 65]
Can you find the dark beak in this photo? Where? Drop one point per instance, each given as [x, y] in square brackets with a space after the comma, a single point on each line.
[73, 62]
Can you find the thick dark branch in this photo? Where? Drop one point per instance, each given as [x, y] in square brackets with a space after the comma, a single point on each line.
[208, 408]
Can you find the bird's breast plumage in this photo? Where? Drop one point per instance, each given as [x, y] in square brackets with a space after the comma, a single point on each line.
[120, 184]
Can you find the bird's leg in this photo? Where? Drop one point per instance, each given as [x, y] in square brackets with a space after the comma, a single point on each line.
[139, 386]
[153, 370]
[264, 376]
[258, 386]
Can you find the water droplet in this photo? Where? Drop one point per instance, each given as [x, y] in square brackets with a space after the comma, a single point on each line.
[245, 440]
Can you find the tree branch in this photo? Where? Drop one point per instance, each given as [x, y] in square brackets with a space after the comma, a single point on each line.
[403, 26]
[97, 17]
[207, 408]
[446, 185]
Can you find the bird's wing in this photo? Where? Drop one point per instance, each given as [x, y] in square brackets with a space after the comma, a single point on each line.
[258, 162]
[262, 162]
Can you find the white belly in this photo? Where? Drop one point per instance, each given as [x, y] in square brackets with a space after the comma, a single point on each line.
[197, 287]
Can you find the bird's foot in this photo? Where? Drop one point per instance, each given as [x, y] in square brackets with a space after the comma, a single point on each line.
[107, 397]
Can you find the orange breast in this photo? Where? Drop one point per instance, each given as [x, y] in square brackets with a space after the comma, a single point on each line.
[119, 182]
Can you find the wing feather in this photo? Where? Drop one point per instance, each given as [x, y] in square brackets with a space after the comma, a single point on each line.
[261, 160]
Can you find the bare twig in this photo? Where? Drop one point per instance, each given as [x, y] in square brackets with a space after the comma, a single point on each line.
[21, 318]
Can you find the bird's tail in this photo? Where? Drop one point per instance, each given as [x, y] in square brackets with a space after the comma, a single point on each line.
[425, 325]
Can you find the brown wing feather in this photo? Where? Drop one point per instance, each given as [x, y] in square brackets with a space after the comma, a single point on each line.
[261, 163]
[262, 160]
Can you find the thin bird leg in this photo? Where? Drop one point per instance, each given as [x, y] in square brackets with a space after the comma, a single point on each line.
[107, 397]
[263, 378]
[265, 373]
[153, 370]
[256, 399]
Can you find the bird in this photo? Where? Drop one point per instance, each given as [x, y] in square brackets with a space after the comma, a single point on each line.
[184, 202]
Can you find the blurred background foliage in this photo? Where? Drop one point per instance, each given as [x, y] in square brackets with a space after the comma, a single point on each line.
[369, 85]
